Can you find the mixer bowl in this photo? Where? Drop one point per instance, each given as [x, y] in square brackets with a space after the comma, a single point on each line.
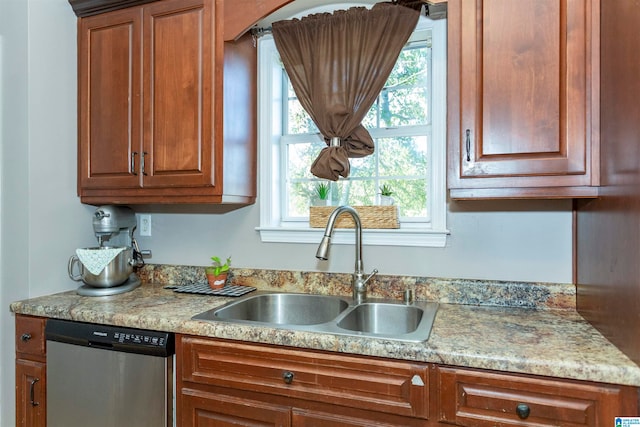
[115, 273]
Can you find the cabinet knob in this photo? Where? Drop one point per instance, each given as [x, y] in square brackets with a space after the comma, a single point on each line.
[25, 337]
[287, 377]
[523, 410]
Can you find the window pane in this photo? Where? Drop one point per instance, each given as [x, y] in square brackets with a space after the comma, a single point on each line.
[403, 107]
[300, 156]
[298, 121]
[403, 101]
[358, 192]
[410, 195]
[363, 167]
[297, 198]
[403, 156]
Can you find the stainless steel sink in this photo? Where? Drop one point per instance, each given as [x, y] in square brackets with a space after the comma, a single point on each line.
[281, 309]
[381, 318]
[376, 318]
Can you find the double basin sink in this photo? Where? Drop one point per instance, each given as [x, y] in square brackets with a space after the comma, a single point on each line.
[375, 318]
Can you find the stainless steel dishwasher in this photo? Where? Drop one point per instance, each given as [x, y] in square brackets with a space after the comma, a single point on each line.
[108, 376]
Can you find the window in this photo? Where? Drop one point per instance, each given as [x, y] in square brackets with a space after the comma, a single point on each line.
[408, 125]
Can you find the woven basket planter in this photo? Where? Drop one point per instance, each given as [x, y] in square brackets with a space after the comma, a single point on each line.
[370, 217]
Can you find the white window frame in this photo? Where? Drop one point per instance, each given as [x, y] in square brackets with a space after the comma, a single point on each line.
[273, 229]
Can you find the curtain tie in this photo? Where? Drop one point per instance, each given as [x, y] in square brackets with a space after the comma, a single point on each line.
[336, 141]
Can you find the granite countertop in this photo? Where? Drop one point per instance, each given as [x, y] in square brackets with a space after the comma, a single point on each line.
[549, 342]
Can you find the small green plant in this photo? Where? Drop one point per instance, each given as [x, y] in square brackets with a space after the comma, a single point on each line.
[385, 190]
[322, 191]
[218, 266]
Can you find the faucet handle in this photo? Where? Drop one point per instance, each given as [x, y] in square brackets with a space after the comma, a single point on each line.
[373, 273]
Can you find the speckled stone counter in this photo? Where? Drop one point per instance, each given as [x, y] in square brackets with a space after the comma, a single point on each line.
[548, 338]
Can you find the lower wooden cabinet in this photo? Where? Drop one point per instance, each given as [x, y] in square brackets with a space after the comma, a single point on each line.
[229, 383]
[234, 383]
[470, 397]
[222, 380]
[31, 372]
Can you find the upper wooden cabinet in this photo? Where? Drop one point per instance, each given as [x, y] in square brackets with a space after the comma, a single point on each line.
[166, 107]
[523, 98]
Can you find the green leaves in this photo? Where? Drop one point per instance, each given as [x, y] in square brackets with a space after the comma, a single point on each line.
[218, 266]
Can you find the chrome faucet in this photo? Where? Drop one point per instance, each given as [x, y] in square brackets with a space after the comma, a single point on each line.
[358, 282]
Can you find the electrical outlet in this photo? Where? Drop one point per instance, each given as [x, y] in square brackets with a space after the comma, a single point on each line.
[144, 224]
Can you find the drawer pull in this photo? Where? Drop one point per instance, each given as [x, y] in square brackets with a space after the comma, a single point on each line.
[523, 410]
[25, 337]
[32, 392]
[287, 376]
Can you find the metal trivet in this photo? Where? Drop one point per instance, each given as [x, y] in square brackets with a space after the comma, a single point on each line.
[204, 289]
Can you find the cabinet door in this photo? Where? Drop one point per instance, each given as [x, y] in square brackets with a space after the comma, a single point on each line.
[379, 386]
[475, 398]
[520, 94]
[202, 409]
[179, 44]
[303, 418]
[31, 400]
[109, 49]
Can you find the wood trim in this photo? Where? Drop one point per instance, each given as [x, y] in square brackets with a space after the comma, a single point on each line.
[525, 193]
[94, 7]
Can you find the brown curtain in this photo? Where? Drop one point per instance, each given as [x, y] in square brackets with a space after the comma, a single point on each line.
[338, 64]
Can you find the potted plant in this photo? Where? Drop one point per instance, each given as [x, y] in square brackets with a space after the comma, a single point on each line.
[321, 195]
[217, 272]
[385, 196]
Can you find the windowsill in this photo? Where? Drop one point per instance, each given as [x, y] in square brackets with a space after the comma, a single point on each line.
[377, 237]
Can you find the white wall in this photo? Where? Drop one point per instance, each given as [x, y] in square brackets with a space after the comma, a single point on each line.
[516, 240]
[40, 212]
[42, 221]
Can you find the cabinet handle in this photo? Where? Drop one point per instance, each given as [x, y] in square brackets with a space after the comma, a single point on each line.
[468, 144]
[523, 410]
[287, 377]
[133, 162]
[32, 392]
[25, 337]
[144, 153]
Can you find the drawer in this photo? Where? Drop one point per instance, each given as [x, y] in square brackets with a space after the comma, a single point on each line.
[479, 398]
[381, 385]
[30, 339]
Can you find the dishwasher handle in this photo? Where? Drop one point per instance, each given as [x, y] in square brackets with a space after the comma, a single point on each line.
[102, 345]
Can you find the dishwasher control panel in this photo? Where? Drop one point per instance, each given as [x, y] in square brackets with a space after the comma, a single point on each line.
[145, 339]
[115, 338]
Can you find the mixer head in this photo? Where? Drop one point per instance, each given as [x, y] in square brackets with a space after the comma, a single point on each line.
[111, 222]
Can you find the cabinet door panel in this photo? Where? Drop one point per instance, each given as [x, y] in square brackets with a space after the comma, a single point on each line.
[521, 94]
[178, 55]
[475, 398]
[201, 409]
[531, 114]
[31, 393]
[304, 418]
[109, 86]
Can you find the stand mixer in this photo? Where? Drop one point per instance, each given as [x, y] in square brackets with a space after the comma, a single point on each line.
[113, 227]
